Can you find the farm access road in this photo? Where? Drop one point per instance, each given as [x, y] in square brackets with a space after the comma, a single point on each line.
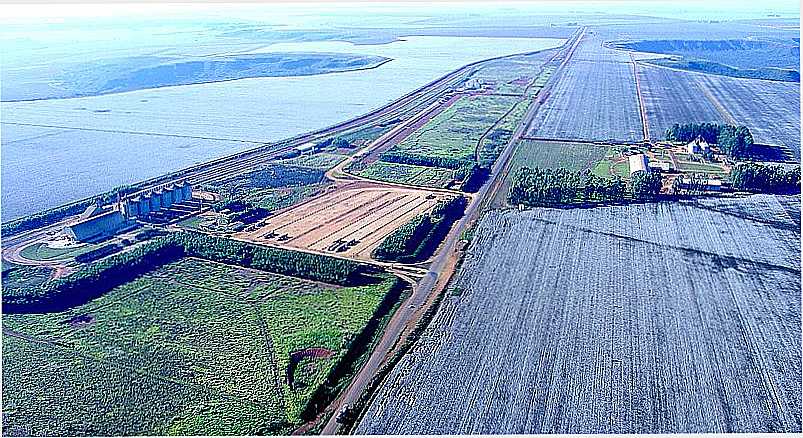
[445, 262]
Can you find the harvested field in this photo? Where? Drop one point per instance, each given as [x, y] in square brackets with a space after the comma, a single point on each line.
[672, 96]
[594, 98]
[770, 109]
[660, 318]
[351, 221]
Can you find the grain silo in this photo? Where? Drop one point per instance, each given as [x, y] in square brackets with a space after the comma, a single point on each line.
[156, 200]
[186, 191]
[144, 205]
[638, 163]
[167, 196]
[131, 207]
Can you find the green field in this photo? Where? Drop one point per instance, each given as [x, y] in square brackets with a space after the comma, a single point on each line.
[688, 166]
[454, 133]
[550, 155]
[192, 348]
[424, 176]
[493, 143]
[320, 160]
[611, 164]
[42, 252]
[19, 277]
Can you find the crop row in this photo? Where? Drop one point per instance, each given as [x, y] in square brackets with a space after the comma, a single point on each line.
[672, 97]
[594, 99]
[770, 109]
[651, 318]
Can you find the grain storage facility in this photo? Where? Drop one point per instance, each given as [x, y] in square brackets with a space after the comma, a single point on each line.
[167, 196]
[98, 225]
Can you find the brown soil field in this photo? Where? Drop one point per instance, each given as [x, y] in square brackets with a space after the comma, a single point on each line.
[350, 221]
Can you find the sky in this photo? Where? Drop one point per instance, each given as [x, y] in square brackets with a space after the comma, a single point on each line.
[57, 11]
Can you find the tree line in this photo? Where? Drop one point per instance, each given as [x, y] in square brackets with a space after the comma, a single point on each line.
[763, 178]
[417, 239]
[423, 160]
[536, 187]
[94, 280]
[732, 140]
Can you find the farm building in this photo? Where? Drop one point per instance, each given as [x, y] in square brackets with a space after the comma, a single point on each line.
[708, 184]
[306, 147]
[697, 146]
[638, 163]
[663, 166]
[101, 224]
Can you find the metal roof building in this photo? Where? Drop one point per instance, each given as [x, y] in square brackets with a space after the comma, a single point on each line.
[638, 163]
[96, 226]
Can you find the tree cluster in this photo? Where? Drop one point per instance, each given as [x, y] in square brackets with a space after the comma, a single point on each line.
[556, 187]
[418, 239]
[474, 179]
[337, 142]
[732, 140]
[422, 160]
[762, 178]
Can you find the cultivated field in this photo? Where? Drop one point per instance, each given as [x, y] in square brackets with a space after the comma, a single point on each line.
[193, 348]
[594, 99]
[424, 176]
[350, 221]
[681, 317]
[770, 109]
[550, 155]
[455, 132]
[671, 96]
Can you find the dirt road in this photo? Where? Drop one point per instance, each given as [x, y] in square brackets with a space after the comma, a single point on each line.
[441, 268]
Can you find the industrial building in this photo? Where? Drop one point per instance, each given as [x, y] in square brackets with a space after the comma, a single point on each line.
[162, 198]
[97, 222]
[100, 223]
[638, 163]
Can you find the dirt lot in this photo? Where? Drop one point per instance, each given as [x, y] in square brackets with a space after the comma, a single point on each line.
[351, 220]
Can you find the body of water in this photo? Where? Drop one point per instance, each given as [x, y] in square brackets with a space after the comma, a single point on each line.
[56, 151]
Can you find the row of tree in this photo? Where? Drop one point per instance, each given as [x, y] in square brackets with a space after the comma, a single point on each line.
[732, 140]
[419, 238]
[763, 178]
[555, 187]
[96, 279]
[423, 160]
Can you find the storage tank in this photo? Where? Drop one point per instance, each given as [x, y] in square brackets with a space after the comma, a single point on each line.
[167, 196]
[132, 207]
[186, 190]
[156, 201]
[177, 194]
[144, 205]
